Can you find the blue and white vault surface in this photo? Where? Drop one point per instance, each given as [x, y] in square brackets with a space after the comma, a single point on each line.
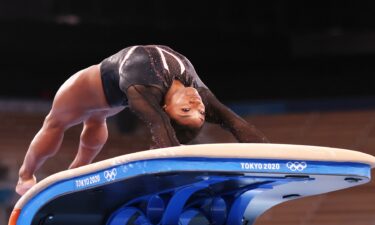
[197, 184]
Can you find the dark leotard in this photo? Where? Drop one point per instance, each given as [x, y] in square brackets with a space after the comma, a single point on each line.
[140, 76]
[153, 65]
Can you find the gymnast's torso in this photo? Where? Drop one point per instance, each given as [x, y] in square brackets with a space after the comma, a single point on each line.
[139, 77]
[151, 65]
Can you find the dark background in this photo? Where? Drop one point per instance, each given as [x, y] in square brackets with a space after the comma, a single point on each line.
[243, 50]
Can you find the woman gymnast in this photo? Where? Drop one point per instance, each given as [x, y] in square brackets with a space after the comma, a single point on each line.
[157, 83]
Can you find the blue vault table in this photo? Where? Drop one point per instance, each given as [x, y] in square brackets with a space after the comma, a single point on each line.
[199, 184]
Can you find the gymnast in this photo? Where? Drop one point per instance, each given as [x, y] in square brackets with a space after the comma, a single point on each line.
[157, 83]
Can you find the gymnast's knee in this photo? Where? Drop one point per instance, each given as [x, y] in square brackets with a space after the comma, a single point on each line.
[54, 124]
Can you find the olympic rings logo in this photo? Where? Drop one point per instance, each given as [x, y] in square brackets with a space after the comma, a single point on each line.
[296, 166]
[110, 175]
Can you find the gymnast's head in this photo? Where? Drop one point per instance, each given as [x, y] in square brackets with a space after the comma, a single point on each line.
[185, 108]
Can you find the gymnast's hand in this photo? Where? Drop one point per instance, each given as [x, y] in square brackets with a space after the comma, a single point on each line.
[24, 185]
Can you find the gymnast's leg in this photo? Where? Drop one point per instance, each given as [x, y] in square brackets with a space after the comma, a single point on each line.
[75, 101]
[45, 144]
[93, 137]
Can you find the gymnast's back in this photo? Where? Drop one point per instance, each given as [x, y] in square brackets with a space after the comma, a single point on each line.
[150, 65]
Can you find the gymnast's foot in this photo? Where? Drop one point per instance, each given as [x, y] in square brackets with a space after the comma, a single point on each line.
[24, 185]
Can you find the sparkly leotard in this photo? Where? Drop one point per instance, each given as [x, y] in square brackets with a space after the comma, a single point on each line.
[152, 65]
[140, 76]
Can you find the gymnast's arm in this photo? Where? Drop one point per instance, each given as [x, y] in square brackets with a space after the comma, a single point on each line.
[144, 101]
[218, 113]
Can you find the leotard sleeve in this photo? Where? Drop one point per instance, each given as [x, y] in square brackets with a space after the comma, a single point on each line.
[218, 113]
[145, 101]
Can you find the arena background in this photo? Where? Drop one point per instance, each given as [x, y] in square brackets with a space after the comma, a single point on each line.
[301, 71]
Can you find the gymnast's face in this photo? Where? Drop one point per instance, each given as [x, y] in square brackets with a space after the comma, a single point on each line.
[186, 108]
